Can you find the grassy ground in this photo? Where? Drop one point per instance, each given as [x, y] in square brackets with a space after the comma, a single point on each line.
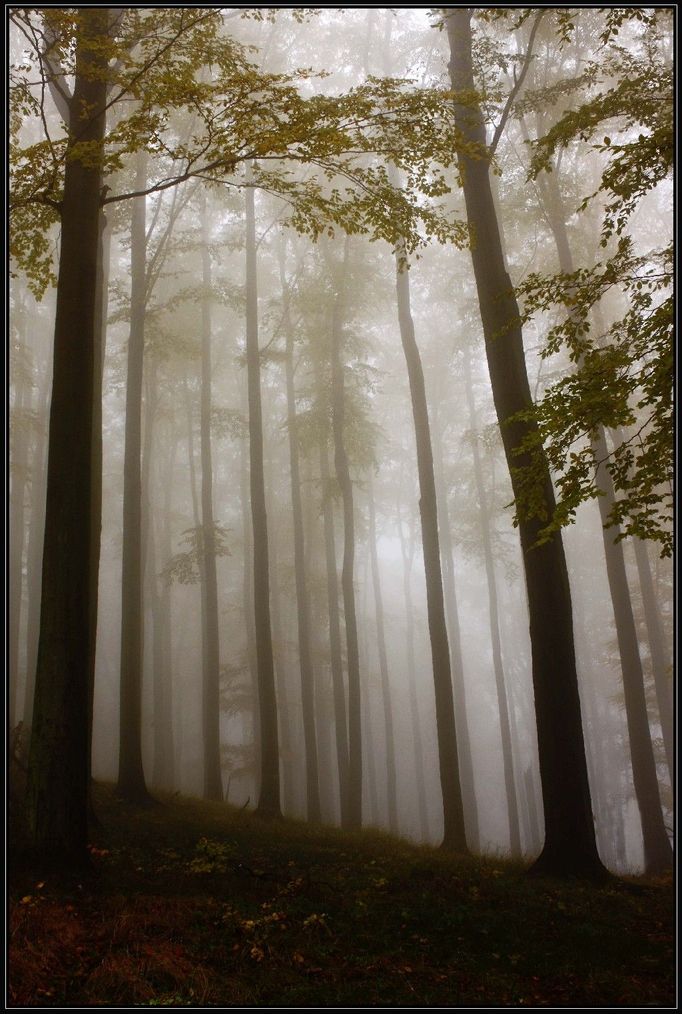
[198, 905]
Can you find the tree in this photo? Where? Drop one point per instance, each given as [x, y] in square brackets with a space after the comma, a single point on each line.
[570, 846]
[58, 758]
[623, 374]
[302, 599]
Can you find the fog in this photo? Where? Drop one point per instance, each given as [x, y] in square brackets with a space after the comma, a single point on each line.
[262, 292]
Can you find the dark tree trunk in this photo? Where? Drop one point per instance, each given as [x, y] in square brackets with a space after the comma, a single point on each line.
[131, 780]
[346, 486]
[338, 689]
[391, 794]
[408, 557]
[268, 803]
[34, 549]
[454, 836]
[302, 601]
[101, 312]
[660, 653]
[213, 788]
[17, 533]
[657, 850]
[163, 765]
[570, 846]
[156, 534]
[493, 612]
[286, 753]
[247, 594]
[466, 765]
[58, 759]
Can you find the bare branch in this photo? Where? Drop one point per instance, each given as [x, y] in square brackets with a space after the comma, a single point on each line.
[517, 84]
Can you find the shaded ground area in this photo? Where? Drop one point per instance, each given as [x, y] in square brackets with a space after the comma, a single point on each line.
[195, 904]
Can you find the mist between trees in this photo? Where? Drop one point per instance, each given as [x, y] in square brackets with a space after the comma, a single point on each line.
[341, 426]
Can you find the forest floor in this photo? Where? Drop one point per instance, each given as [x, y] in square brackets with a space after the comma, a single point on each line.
[193, 904]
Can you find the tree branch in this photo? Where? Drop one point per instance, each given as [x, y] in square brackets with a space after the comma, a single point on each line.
[517, 84]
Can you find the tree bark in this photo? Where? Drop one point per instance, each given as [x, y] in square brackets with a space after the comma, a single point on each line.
[660, 653]
[210, 637]
[493, 612]
[346, 486]
[268, 803]
[336, 660]
[131, 780]
[58, 757]
[570, 845]
[466, 765]
[391, 793]
[302, 601]
[657, 850]
[454, 835]
[407, 553]
[19, 482]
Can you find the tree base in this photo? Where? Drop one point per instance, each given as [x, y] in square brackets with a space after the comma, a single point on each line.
[567, 865]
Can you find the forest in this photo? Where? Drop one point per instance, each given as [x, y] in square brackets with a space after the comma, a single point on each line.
[340, 498]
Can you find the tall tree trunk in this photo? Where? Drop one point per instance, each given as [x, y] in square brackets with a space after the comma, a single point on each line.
[210, 640]
[303, 605]
[454, 835]
[657, 850]
[58, 757]
[466, 765]
[34, 549]
[383, 669]
[336, 660]
[268, 803]
[493, 613]
[660, 653]
[163, 764]
[131, 781]
[101, 313]
[19, 482]
[570, 845]
[407, 553]
[346, 487]
[287, 773]
[247, 594]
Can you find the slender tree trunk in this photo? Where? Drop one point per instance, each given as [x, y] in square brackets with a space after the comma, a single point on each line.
[19, 482]
[466, 765]
[340, 716]
[210, 637]
[660, 653]
[34, 549]
[391, 794]
[570, 845]
[281, 671]
[58, 758]
[493, 612]
[131, 781]
[268, 803]
[454, 836]
[408, 557]
[302, 601]
[101, 312]
[163, 766]
[371, 796]
[657, 850]
[247, 595]
[346, 487]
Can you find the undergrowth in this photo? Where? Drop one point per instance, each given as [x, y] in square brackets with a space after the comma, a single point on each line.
[194, 904]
